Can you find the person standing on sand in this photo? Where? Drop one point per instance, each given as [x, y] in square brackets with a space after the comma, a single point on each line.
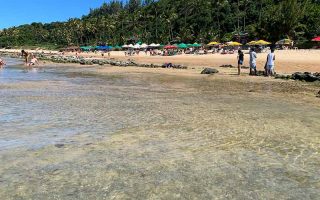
[253, 62]
[270, 63]
[25, 55]
[240, 60]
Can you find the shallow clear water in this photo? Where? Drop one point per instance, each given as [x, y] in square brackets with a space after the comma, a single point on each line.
[151, 137]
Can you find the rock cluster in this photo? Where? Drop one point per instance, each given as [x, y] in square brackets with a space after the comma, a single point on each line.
[209, 71]
[305, 76]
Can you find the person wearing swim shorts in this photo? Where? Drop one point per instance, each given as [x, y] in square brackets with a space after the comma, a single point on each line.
[240, 60]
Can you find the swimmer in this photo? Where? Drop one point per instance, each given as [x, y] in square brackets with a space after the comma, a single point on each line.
[2, 63]
[33, 61]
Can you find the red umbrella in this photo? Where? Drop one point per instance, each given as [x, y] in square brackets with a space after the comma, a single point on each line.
[316, 39]
[170, 47]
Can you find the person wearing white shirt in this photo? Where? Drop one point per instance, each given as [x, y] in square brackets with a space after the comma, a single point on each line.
[270, 63]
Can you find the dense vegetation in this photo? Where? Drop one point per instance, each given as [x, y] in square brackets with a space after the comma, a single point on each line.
[165, 21]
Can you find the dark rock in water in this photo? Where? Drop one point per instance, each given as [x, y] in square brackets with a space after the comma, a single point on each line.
[209, 71]
[59, 145]
[306, 76]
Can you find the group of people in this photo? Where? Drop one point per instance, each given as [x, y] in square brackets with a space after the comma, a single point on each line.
[29, 58]
[269, 65]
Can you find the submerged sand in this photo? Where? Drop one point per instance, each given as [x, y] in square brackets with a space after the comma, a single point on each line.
[124, 133]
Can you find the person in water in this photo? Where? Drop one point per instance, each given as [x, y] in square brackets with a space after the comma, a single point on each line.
[2, 63]
[33, 61]
[25, 55]
[240, 60]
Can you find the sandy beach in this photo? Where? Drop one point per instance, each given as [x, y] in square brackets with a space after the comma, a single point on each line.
[287, 61]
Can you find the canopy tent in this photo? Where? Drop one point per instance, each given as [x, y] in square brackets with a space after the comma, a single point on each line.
[170, 47]
[233, 44]
[213, 43]
[182, 46]
[87, 48]
[103, 48]
[316, 39]
[284, 42]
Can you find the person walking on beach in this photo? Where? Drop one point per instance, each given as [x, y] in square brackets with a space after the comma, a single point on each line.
[270, 63]
[253, 62]
[240, 60]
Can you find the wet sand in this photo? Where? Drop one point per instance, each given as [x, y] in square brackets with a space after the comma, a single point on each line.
[103, 133]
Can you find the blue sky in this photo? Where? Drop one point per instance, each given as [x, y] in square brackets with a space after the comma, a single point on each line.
[18, 12]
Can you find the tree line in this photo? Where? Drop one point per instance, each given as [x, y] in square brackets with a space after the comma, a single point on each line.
[166, 21]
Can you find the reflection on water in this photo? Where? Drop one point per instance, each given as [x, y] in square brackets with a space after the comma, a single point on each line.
[134, 137]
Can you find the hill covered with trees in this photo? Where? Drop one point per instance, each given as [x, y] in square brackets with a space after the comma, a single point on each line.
[164, 21]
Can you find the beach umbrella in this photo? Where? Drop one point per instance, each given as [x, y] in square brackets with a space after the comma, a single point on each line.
[87, 48]
[284, 42]
[152, 45]
[117, 47]
[130, 46]
[137, 46]
[125, 46]
[196, 45]
[182, 46]
[144, 46]
[316, 39]
[103, 47]
[262, 42]
[252, 43]
[233, 44]
[213, 43]
[170, 47]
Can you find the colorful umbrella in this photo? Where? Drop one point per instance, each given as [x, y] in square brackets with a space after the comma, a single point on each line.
[262, 42]
[284, 42]
[252, 43]
[196, 45]
[182, 46]
[316, 39]
[233, 43]
[213, 43]
[170, 47]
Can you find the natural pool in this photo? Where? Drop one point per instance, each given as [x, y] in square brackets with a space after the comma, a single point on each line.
[72, 133]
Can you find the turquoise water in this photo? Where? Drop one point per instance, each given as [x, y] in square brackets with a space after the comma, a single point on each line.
[71, 133]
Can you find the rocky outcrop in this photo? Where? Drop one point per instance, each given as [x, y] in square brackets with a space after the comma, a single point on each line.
[209, 71]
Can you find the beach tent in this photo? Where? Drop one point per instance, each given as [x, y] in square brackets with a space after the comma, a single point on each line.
[316, 39]
[233, 44]
[284, 42]
[213, 43]
[182, 46]
[170, 47]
